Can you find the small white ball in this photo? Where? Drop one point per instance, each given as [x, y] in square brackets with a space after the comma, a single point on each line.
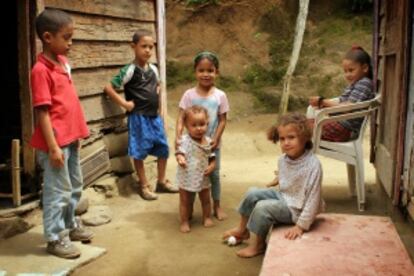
[231, 241]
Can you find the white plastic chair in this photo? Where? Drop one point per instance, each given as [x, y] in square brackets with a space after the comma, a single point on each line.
[349, 152]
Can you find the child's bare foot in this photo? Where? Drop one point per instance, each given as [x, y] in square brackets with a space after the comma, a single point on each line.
[237, 233]
[185, 227]
[219, 214]
[251, 251]
[208, 222]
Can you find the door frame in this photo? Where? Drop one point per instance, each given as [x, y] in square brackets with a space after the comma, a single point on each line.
[26, 12]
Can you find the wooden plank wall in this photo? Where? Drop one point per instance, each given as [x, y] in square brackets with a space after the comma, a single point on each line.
[101, 46]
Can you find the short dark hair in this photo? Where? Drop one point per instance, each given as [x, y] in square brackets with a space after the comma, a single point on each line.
[212, 57]
[301, 124]
[195, 109]
[51, 20]
[139, 34]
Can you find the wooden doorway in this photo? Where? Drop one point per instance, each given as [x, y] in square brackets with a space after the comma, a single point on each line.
[392, 86]
[16, 116]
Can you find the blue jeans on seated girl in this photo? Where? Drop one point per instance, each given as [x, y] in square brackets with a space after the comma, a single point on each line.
[62, 188]
[264, 207]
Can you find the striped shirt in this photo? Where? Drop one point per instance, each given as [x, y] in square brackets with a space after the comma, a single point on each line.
[359, 91]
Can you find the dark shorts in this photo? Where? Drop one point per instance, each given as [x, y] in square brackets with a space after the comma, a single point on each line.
[335, 132]
[146, 136]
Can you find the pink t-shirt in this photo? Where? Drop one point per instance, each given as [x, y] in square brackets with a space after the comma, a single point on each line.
[53, 87]
[216, 104]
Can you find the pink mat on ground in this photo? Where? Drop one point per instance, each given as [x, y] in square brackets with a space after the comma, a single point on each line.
[339, 245]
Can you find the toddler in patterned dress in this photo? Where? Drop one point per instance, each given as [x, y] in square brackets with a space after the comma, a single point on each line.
[196, 162]
[298, 199]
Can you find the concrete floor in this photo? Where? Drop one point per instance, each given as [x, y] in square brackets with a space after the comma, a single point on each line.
[144, 237]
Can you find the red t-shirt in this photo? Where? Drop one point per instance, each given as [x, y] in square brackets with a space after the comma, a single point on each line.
[52, 86]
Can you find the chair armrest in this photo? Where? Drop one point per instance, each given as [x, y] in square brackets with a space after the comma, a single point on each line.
[340, 113]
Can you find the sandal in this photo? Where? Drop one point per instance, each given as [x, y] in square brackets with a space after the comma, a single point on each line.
[146, 193]
[166, 187]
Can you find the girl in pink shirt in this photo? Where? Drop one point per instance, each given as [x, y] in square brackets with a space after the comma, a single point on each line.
[206, 66]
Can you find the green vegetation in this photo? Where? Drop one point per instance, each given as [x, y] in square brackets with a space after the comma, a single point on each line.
[200, 2]
[327, 37]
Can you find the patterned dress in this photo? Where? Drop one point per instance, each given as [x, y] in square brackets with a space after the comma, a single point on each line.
[197, 156]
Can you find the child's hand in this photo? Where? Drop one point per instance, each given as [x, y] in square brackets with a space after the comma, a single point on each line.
[56, 157]
[129, 105]
[181, 160]
[274, 182]
[293, 232]
[214, 143]
[209, 169]
[314, 101]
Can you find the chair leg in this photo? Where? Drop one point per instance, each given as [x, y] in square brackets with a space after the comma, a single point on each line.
[351, 178]
[360, 182]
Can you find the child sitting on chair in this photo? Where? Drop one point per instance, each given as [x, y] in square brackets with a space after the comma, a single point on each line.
[298, 199]
[358, 73]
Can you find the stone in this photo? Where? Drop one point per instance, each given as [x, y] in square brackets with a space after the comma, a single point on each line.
[122, 165]
[82, 206]
[97, 215]
[10, 227]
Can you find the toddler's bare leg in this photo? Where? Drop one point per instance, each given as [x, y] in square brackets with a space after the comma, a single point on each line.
[185, 201]
[204, 196]
[256, 247]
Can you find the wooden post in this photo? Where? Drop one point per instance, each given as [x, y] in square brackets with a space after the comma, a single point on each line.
[15, 172]
[25, 61]
[161, 45]
[297, 44]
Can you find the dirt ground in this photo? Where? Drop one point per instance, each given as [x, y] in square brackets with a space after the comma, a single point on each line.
[143, 238]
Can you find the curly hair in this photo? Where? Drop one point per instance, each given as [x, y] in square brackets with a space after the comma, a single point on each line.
[301, 124]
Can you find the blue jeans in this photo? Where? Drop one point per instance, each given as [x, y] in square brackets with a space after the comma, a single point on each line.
[215, 178]
[264, 207]
[62, 188]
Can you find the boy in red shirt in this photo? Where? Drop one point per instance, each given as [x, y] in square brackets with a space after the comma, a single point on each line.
[60, 125]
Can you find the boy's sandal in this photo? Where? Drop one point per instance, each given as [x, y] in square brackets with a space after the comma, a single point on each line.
[146, 193]
[166, 187]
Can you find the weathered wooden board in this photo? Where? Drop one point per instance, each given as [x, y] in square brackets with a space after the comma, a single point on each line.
[92, 81]
[106, 28]
[26, 110]
[97, 54]
[141, 10]
[100, 107]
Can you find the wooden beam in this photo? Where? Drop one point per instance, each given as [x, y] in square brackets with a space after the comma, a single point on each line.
[161, 54]
[15, 172]
[141, 10]
[100, 107]
[24, 60]
[92, 81]
[100, 28]
[85, 54]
